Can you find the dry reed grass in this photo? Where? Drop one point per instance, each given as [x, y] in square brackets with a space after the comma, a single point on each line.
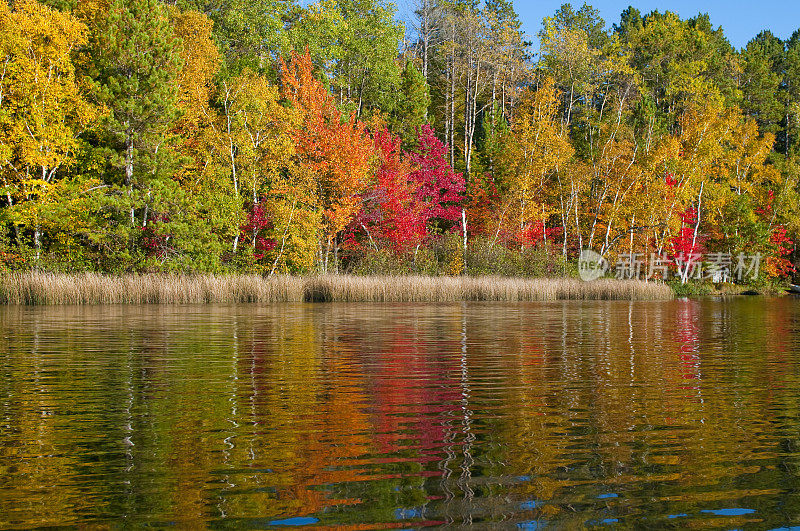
[32, 288]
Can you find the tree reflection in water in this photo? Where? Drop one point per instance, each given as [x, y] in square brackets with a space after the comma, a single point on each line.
[376, 416]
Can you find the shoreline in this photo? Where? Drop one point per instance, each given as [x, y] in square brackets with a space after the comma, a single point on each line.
[36, 288]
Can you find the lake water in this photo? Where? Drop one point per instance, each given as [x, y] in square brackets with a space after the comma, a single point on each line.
[648, 415]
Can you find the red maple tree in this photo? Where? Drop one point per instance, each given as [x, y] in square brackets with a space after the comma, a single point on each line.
[391, 214]
[440, 189]
[258, 222]
[686, 244]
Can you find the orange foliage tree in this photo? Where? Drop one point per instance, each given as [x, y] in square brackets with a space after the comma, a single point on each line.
[333, 152]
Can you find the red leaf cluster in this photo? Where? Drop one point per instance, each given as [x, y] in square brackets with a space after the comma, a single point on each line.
[391, 213]
[258, 221]
[440, 189]
[685, 245]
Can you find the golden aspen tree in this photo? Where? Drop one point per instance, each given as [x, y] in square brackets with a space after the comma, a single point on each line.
[43, 106]
[254, 132]
[537, 149]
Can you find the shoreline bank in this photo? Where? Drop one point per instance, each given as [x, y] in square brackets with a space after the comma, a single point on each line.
[35, 288]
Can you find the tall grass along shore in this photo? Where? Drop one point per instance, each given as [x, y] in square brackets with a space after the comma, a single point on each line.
[33, 288]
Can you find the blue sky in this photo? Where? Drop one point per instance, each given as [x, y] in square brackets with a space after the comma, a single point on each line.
[741, 20]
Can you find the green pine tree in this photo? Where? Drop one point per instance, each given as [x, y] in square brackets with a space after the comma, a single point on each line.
[630, 20]
[791, 98]
[761, 82]
[495, 133]
[414, 99]
[135, 62]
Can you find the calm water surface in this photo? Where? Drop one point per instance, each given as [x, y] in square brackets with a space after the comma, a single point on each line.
[565, 415]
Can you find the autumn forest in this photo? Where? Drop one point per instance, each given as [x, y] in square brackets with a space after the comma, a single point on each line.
[262, 136]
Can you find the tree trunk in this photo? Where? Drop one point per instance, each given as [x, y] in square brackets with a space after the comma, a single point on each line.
[129, 170]
[522, 222]
[544, 228]
[453, 95]
[283, 240]
[326, 258]
[467, 109]
[464, 230]
[16, 227]
[129, 161]
[37, 242]
[336, 255]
